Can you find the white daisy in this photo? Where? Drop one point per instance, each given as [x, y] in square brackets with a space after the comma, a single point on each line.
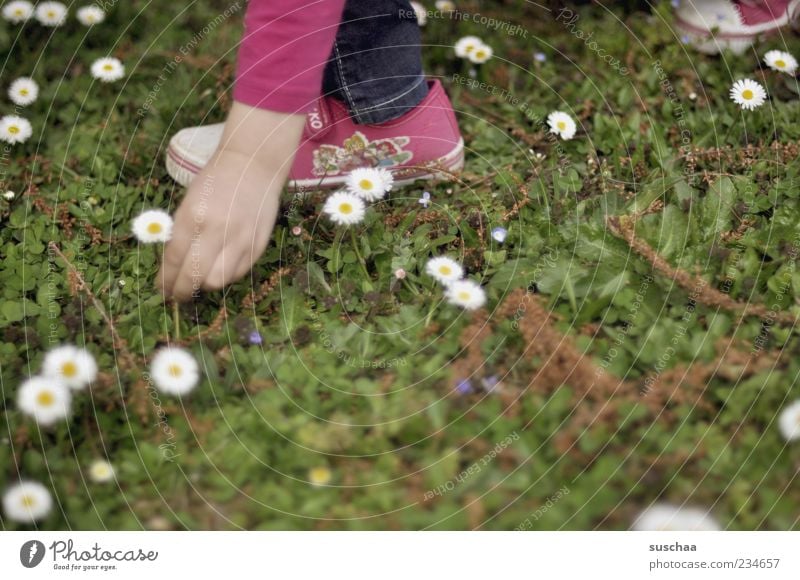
[466, 45]
[668, 518]
[466, 293]
[23, 91]
[46, 399]
[480, 54]
[15, 129]
[153, 226]
[445, 5]
[344, 208]
[19, 11]
[789, 422]
[101, 471]
[748, 94]
[74, 366]
[175, 371]
[108, 69]
[27, 502]
[90, 15]
[319, 476]
[51, 13]
[420, 12]
[369, 183]
[444, 269]
[781, 61]
[562, 125]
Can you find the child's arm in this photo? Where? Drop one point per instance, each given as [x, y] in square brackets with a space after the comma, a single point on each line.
[225, 221]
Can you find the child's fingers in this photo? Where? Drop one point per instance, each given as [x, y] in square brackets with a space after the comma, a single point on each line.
[197, 263]
[174, 254]
[233, 263]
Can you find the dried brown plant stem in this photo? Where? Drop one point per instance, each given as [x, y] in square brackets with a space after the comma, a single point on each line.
[119, 343]
[624, 228]
[266, 287]
[139, 395]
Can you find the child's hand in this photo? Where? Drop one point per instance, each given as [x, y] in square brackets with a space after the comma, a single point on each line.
[224, 223]
[221, 227]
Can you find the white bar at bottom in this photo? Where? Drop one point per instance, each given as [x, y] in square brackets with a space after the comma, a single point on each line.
[402, 555]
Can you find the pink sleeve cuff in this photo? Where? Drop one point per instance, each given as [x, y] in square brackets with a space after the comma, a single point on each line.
[284, 49]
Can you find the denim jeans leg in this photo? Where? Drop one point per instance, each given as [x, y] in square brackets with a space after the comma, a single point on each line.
[376, 63]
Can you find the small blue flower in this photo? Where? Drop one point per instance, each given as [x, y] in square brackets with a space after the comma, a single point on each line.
[499, 234]
[540, 56]
[464, 387]
[685, 39]
[425, 200]
[255, 337]
[675, 3]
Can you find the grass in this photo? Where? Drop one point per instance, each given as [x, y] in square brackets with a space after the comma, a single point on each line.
[640, 319]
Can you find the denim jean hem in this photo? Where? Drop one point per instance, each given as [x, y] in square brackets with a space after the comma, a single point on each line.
[391, 108]
[375, 67]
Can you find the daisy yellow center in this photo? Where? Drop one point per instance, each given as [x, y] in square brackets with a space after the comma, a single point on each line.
[346, 208]
[51, 13]
[89, 18]
[463, 295]
[175, 371]
[479, 54]
[780, 63]
[747, 94]
[27, 501]
[365, 184]
[320, 475]
[23, 92]
[19, 12]
[469, 48]
[13, 129]
[445, 270]
[154, 228]
[45, 398]
[108, 67]
[69, 369]
[100, 470]
[561, 125]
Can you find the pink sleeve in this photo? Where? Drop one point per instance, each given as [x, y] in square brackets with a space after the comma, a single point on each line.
[284, 49]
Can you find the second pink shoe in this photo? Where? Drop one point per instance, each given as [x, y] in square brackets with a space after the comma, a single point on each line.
[714, 25]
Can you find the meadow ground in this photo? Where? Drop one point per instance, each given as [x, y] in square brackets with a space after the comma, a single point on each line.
[638, 343]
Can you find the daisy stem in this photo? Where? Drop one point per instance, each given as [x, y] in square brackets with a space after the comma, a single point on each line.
[410, 286]
[176, 320]
[337, 248]
[431, 310]
[358, 254]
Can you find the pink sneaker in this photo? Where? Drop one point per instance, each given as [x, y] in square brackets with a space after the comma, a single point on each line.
[713, 25]
[425, 143]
